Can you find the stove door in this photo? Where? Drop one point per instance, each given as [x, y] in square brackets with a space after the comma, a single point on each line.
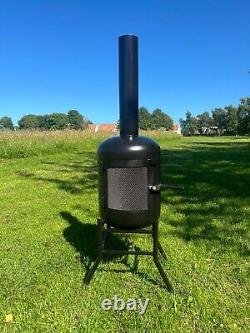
[127, 188]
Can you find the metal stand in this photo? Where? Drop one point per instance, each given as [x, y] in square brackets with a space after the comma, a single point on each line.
[102, 235]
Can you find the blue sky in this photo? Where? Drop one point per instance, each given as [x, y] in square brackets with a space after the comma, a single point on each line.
[57, 55]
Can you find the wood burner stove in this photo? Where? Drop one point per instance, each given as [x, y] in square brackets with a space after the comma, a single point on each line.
[129, 171]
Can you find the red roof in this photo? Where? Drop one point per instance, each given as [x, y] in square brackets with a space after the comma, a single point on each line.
[102, 127]
[107, 127]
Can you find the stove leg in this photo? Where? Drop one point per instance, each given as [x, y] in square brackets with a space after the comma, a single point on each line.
[156, 248]
[162, 252]
[163, 275]
[134, 269]
[89, 274]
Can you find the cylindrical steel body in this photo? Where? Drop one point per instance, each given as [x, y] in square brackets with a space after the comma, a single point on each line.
[126, 169]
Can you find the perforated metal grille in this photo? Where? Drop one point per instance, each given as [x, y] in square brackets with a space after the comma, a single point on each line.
[128, 188]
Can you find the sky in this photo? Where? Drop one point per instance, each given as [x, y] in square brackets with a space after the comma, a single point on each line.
[58, 55]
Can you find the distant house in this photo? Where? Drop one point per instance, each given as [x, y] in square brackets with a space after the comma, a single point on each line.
[102, 128]
[177, 129]
[212, 130]
[92, 127]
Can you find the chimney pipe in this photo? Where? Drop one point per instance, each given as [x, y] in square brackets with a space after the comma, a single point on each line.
[128, 85]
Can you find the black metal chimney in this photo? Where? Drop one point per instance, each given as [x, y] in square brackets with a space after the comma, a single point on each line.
[128, 85]
[128, 171]
[129, 164]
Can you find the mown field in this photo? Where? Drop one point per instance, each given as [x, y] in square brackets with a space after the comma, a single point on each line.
[48, 210]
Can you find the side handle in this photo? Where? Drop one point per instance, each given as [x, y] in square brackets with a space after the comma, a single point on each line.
[159, 187]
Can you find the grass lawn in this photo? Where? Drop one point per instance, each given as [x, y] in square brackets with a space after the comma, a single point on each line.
[48, 211]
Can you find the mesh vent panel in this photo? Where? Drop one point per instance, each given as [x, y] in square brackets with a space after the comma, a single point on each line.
[128, 188]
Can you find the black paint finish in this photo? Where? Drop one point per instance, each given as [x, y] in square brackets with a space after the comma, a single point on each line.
[129, 151]
[128, 84]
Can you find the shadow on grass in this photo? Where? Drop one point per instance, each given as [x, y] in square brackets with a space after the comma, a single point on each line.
[213, 206]
[73, 177]
[82, 236]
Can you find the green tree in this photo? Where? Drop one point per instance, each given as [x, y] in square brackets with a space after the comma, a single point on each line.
[29, 121]
[245, 101]
[45, 122]
[244, 116]
[6, 122]
[182, 124]
[76, 120]
[232, 119]
[220, 119]
[204, 120]
[161, 120]
[189, 125]
[145, 119]
[57, 121]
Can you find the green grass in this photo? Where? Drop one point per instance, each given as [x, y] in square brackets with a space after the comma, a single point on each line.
[48, 210]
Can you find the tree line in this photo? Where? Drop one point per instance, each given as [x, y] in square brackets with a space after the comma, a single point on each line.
[74, 120]
[230, 120]
[155, 120]
[54, 121]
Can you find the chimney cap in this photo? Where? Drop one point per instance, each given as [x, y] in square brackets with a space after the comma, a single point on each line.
[128, 36]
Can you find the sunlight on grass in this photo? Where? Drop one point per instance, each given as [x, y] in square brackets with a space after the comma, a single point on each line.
[48, 211]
